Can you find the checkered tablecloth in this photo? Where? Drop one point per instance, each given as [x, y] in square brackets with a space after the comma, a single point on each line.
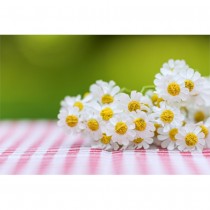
[40, 147]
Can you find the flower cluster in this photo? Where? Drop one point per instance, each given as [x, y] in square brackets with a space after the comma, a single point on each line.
[173, 114]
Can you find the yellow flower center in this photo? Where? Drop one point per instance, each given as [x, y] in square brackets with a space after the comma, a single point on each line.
[189, 84]
[106, 113]
[133, 106]
[172, 134]
[107, 99]
[205, 130]
[79, 105]
[72, 120]
[156, 129]
[199, 116]
[138, 140]
[167, 116]
[191, 139]
[93, 124]
[121, 128]
[106, 139]
[156, 100]
[174, 89]
[140, 124]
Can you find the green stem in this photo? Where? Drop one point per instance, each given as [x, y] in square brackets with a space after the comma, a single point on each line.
[126, 90]
[148, 87]
[143, 90]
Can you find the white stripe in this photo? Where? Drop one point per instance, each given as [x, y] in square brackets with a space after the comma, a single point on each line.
[5, 126]
[129, 163]
[178, 163]
[13, 159]
[105, 163]
[33, 164]
[201, 162]
[60, 156]
[18, 133]
[154, 163]
[81, 164]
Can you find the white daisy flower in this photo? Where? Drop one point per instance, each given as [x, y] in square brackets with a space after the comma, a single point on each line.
[171, 88]
[167, 116]
[173, 66]
[105, 143]
[156, 140]
[76, 102]
[107, 111]
[139, 142]
[168, 139]
[147, 101]
[121, 128]
[198, 114]
[155, 99]
[134, 102]
[144, 128]
[70, 120]
[104, 92]
[92, 125]
[143, 124]
[202, 98]
[205, 129]
[192, 80]
[190, 138]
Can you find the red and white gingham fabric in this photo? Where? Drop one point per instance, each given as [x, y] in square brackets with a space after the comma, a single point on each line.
[40, 147]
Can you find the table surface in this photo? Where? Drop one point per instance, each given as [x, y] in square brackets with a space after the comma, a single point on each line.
[40, 147]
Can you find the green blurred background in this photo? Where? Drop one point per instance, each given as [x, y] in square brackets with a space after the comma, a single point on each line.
[36, 72]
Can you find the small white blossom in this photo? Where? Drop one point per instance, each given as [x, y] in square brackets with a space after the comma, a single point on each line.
[70, 120]
[190, 138]
[168, 139]
[171, 88]
[77, 101]
[92, 125]
[134, 102]
[205, 129]
[121, 128]
[173, 66]
[167, 116]
[104, 92]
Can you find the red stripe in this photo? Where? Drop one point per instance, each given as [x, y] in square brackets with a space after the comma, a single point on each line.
[49, 155]
[71, 157]
[166, 161]
[187, 157]
[117, 158]
[142, 163]
[94, 159]
[25, 157]
[4, 155]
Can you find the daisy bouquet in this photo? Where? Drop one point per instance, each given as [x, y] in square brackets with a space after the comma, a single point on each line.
[172, 114]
